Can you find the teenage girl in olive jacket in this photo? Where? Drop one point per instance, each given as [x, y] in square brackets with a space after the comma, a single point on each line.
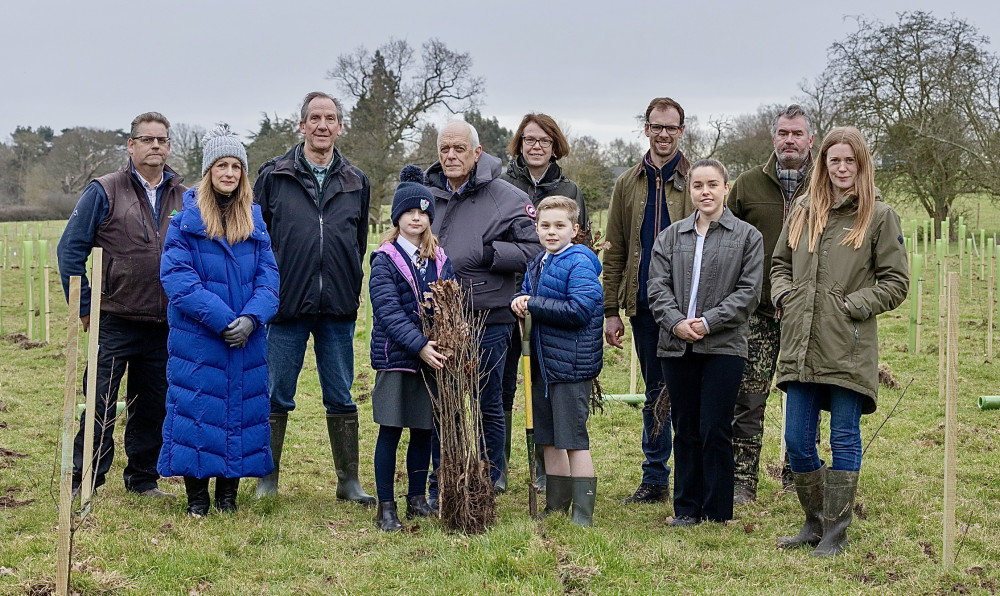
[839, 262]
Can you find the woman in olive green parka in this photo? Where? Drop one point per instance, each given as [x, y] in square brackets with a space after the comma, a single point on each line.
[839, 262]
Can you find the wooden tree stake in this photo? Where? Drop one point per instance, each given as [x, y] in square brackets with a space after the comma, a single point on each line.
[93, 348]
[66, 460]
[950, 425]
[943, 337]
[27, 257]
[992, 300]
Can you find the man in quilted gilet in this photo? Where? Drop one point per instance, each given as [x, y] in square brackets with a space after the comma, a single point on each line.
[126, 213]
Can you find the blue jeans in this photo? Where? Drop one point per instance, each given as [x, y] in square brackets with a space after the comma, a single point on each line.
[286, 347]
[805, 400]
[646, 334]
[492, 354]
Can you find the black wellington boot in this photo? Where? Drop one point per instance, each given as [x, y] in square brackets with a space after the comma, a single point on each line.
[268, 485]
[386, 517]
[838, 511]
[197, 494]
[343, 431]
[809, 487]
[225, 494]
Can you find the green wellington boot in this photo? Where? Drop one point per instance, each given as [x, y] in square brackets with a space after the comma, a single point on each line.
[809, 487]
[501, 486]
[584, 496]
[343, 431]
[559, 495]
[838, 511]
[268, 485]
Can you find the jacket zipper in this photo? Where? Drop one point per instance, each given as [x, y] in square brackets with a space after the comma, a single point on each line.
[320, 255]
[854, 347]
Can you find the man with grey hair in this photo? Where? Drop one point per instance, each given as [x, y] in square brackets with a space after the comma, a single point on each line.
[315, 205]
[126, 213]
[487, 227]
[762, 196]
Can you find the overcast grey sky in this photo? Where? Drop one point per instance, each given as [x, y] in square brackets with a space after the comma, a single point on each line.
[591, 65]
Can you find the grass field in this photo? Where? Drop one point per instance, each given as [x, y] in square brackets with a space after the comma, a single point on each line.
[304, 542]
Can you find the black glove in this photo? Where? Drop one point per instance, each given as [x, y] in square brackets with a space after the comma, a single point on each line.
[238, 331]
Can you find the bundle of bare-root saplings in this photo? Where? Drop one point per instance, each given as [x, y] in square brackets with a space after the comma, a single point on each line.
[466, 499]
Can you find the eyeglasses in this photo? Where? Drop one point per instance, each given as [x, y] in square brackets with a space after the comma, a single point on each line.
[544, 143]
[658, 128]
[149, 140]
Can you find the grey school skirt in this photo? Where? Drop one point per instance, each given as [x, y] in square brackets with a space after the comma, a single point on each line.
[401, 399]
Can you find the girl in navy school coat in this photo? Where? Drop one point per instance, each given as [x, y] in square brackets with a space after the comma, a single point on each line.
[221, 280]
[402, 268]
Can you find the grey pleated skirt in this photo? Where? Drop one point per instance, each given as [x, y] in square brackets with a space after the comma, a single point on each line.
[401, 399]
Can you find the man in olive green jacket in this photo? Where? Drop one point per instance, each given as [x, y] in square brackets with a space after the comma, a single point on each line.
[646, 200]
[761, 196]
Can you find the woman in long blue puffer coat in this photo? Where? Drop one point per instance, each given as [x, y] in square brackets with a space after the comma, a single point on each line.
[222, 283]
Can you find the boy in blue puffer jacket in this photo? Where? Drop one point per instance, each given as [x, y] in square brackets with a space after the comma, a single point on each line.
[562, 292]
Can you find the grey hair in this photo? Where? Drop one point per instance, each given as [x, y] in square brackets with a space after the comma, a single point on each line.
[148, 117]
[304, 111]
[792, 111]
[473, 133]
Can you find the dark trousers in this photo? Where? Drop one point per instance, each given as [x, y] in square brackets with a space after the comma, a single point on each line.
[493, 351]
[702, 390]
[142, 348]
[656, 448]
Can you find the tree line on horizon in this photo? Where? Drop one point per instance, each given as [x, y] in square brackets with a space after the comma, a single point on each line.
[924, 90]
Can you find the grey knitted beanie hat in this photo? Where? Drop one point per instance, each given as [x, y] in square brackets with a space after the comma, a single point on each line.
[219, 143]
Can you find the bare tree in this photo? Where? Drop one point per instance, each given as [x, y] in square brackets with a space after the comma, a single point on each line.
[77, 156]
[702, 142]
[585, 165]
[394, 92]
[185, 150]
[274, 137]
[924, 91]
[622, 154]
[819, 101]
[746, 139]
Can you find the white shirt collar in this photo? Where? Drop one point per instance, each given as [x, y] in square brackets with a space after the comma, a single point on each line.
[412, 250]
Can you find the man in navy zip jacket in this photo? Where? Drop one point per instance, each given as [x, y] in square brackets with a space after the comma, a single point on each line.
[126, 213]
[315, 205]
